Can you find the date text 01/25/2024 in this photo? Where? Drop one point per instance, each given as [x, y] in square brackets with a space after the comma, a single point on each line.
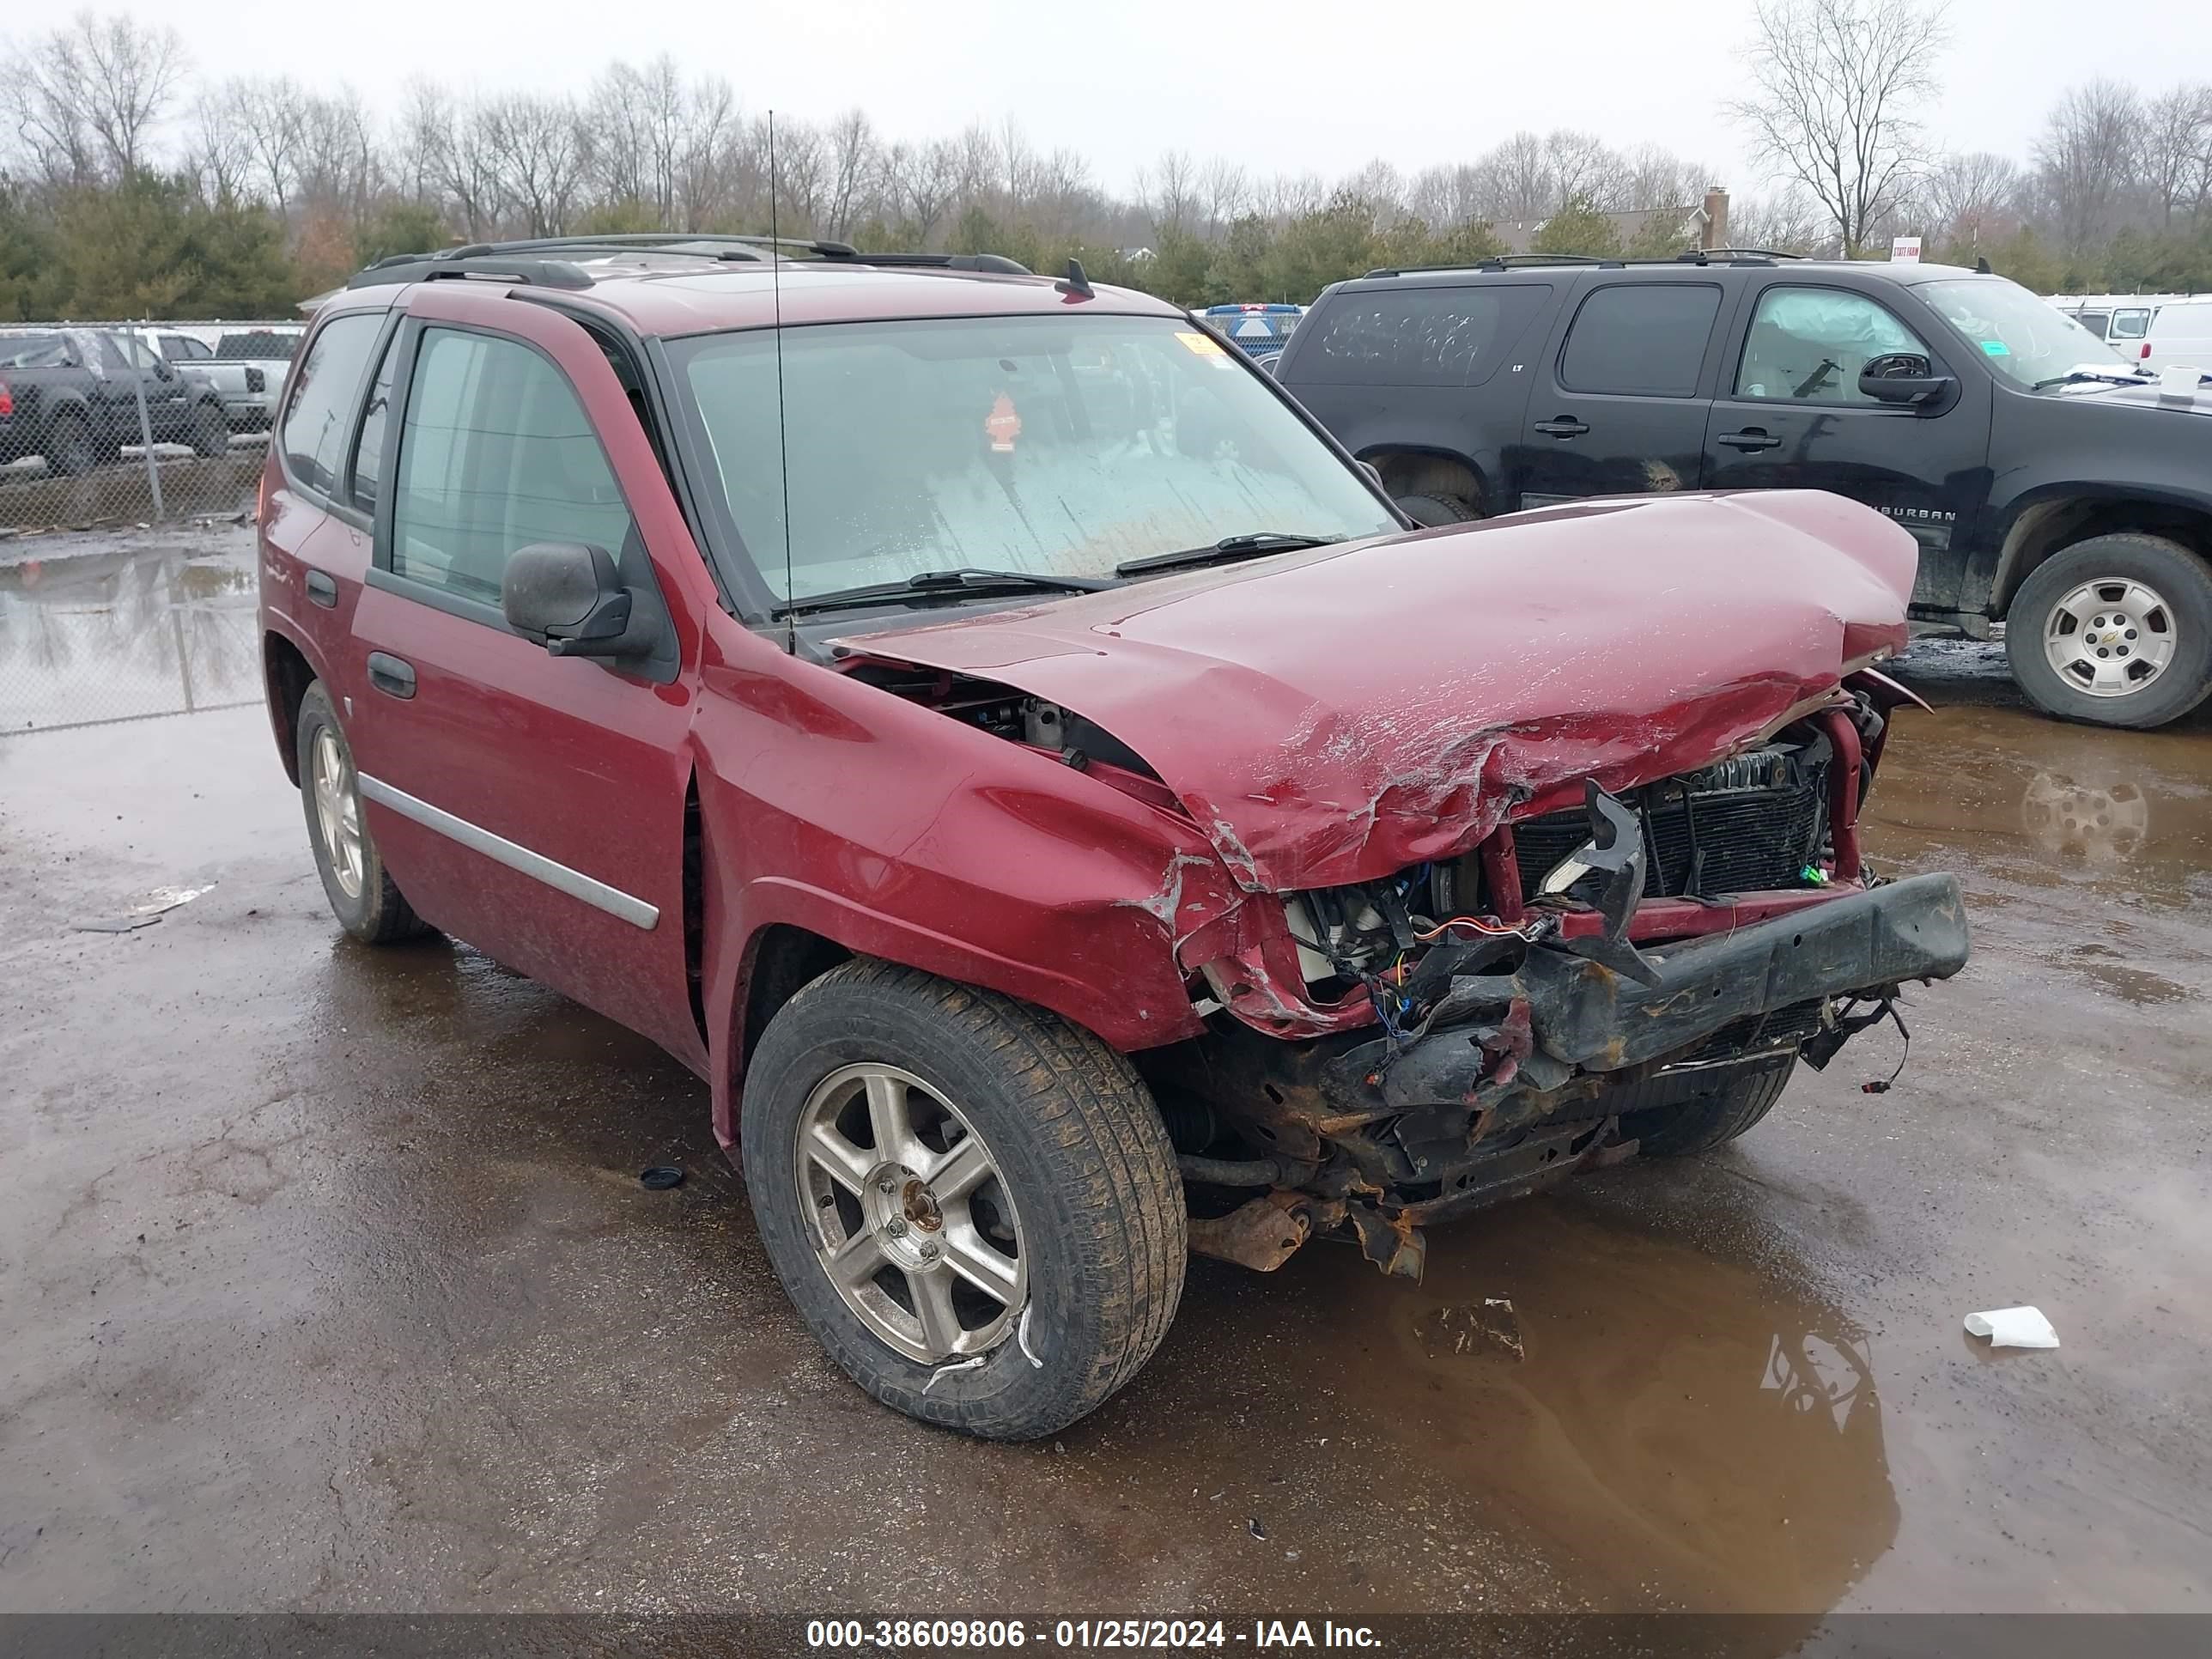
[992, 1635]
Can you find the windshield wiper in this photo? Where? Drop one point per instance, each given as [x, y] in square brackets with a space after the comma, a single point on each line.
[2072, 376]
[930, 583]
[1251, 546]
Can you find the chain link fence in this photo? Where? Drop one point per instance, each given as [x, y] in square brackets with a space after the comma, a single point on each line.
[101, 626]
[110, 425]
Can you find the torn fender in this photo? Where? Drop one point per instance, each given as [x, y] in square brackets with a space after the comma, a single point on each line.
[1332, 716]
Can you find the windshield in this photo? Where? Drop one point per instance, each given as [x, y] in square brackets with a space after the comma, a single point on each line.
[1051, 446]
[2024, 339]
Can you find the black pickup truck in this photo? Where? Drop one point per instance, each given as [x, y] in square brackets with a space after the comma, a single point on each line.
[70, 396]
[2047, 484]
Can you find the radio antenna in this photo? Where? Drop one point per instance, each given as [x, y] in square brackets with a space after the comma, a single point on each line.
[783, 447]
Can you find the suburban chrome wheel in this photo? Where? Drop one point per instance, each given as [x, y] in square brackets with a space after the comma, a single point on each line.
[2110, 638]
[911, 1220]
[338, 811]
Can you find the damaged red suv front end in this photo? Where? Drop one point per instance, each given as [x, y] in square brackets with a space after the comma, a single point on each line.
[1522, 836]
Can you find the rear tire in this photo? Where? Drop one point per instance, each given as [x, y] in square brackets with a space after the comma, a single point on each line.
[2061, 603]
[1709, 1121]
[1434, 510]
[69, 446]
[364, 896]
[1082, 1199]
[210, 432]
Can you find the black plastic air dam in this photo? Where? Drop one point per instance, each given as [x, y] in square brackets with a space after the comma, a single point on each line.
[1589, 1016]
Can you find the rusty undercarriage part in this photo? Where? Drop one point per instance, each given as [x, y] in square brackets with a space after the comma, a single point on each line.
[1264, 1233]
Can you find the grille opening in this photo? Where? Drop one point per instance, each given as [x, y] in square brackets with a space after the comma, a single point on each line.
[1743, 824]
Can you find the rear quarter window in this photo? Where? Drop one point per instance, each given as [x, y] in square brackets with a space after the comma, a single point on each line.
[1411, 336]
[325, 392]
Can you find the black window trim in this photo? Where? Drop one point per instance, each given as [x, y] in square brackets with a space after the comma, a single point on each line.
[381, 575]
[1704, 387]
[1732, 365]
[338, 509]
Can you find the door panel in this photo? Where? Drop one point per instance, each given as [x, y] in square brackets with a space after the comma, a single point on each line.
[1790, 416]
[1619, 407]
[533, 805]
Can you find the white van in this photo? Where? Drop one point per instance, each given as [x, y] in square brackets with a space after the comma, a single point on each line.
[2180, 333]
[2120, 319]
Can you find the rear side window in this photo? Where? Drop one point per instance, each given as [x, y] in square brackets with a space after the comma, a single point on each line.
[1644, 339]
[496, 453]
[320, 416]
[2097, 322]
[34, 351]
[1416, 336]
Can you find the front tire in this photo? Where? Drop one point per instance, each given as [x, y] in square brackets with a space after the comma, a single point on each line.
[972, 1204]
[1709, 1121]
[1432, 511]
[362, 894]
[2115, 631]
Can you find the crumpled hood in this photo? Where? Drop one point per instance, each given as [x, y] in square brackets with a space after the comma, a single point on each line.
[1336, 715]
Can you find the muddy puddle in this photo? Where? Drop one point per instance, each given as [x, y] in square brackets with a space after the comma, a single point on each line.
[1674, 1430]
[97, 627]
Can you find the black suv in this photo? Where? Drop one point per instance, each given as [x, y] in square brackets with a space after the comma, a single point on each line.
[2043, 480]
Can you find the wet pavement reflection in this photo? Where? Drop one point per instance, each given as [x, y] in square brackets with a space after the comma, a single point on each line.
[104, 627]
[326, 1279]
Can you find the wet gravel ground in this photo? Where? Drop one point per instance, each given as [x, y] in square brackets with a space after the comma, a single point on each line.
[327, 1281]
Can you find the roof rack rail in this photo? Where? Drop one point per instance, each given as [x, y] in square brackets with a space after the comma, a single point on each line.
[995, 263]
[463, 263]
[1722, 256]
[490, 260]
[1751, 252]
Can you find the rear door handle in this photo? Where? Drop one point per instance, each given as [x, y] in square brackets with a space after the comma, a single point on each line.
[1750, 438]
[1564, 425]
[322, 589]
[388, 674]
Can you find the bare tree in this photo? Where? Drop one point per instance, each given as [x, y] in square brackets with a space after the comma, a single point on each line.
[1657, 177]
[86, 97]
[1838, 86]
[2088, 157]
[1794, 222]
[219, 156]
[1579, 164]
[852, 160]
[536, 160]
[1970, 198]
[1169, 190]
[2176, 150]
[1517, 186]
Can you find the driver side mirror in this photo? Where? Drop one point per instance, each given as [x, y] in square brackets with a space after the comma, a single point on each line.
[1902, 377]
[570, 597]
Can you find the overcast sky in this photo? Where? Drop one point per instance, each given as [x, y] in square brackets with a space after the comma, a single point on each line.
[1279, 85]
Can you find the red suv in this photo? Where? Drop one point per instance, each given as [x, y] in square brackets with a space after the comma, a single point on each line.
[987, 730]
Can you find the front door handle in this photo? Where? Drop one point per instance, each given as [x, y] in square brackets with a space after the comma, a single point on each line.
[390, 675]
[1563, 426]
[322, 589]
[1749, 439]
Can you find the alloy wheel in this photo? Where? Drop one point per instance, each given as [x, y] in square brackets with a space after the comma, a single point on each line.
[337, 812]
[911, 1216]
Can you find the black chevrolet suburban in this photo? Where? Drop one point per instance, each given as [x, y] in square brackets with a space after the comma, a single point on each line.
[2047, 485]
